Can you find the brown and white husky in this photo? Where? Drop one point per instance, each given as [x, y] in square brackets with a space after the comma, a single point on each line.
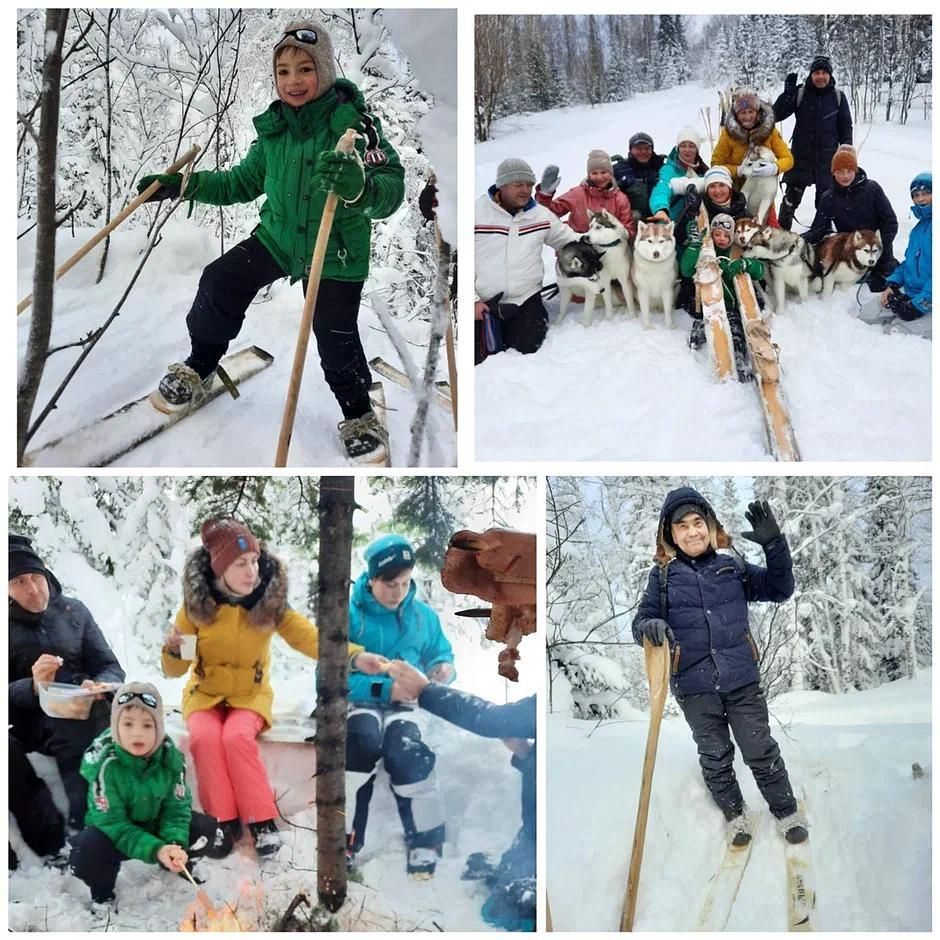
[845, 257]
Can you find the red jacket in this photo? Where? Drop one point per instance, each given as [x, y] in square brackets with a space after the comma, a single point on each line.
[586, 198]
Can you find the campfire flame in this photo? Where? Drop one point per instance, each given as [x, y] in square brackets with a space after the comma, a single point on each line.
[242, 915]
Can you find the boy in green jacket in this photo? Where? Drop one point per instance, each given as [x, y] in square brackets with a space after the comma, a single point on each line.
[139, 805]
[294, 164]
[722, 232]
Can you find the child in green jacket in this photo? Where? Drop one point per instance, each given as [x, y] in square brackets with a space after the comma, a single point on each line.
[294, 164]
[722, 232]
[139, 805]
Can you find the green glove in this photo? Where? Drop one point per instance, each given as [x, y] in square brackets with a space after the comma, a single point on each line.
[340, 173]
[732, 267]
[170, 184]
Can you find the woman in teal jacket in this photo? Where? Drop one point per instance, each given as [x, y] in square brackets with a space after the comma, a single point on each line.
[294, 164]
[385, 611]
[684, 165]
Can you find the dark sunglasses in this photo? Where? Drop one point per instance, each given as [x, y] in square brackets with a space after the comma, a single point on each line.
[148, 698]
[308, 36]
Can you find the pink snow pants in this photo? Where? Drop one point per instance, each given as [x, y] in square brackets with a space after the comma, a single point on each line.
[231, 779]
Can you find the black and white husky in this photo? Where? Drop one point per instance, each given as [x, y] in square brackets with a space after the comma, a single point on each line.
[759, 191]
[578, 268]
[612, 240]
[788, 258]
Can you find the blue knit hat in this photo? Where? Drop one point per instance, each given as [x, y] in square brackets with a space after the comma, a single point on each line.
[923, 182]
[388, 556]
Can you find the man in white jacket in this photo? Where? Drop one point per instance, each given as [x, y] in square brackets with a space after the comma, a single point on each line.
[511, 229]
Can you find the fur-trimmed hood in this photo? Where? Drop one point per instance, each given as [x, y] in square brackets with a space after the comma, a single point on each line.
[265, 606]
[761, 130]
[717, 537]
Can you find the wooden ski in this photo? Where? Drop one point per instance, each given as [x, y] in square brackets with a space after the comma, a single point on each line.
[723, 888]
[386, 369]
[711, 294]
[114, 435]
[765, 364]
[801, 887]
[657, 672]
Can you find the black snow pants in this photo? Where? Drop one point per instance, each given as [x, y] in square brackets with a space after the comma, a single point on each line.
[372, 736]
[40, 822]
[226, 289]
[96, 861]
[713, 717]
[66, 741]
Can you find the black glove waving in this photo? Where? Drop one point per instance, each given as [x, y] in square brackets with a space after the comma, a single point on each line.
[656, 631]
[789, 85]
[764, 528]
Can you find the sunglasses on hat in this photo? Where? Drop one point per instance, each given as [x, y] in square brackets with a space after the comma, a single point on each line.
[726, 224]
[148, 698]
[308, 36]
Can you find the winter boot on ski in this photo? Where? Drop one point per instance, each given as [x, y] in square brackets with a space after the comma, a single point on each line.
[422, 862]
[180, 388]
[697, 334]
[365, 439]
[793, 828]
[738, 830]
[742, 361]
[267, 838]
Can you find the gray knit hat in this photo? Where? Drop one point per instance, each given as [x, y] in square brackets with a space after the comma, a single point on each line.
[513, 170]
[321, 51]
[599, 160]
[139, 695]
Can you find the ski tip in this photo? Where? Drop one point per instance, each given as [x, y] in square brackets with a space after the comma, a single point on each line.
[262, 354]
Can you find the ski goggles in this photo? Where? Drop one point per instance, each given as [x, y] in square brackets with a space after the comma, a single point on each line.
[148, 698]
[309, 36]
[726, 223]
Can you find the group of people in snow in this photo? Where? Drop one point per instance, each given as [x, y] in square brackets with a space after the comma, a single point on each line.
[294, 163]
[516, 217]
[126, 779]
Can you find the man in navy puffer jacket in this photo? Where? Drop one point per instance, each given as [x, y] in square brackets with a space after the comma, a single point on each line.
[696, 598]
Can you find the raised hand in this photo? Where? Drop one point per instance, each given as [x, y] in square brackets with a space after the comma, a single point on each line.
[764, 528]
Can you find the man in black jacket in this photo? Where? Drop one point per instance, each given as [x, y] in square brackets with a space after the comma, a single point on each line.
[823, 122]
[52, 638]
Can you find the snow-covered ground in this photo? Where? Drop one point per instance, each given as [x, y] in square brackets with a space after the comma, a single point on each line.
[849, 757]
[151, 332]
[481, 790]
[617, 392]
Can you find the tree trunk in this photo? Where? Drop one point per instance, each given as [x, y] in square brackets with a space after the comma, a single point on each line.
[40, 327]
[336, 505]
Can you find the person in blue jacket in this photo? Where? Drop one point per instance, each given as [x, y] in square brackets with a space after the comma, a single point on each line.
[696, 599]
[511, 902]
[386, 616]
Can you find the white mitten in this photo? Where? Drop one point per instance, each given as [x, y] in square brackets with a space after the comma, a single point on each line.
[765, 169]
[679, 184]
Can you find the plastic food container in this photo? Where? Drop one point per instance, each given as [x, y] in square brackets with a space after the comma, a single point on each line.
[59, 700]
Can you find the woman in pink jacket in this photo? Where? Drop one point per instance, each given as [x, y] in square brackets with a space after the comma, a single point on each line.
[597, 191]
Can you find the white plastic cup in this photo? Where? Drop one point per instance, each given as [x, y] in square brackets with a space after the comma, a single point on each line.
[188, 646]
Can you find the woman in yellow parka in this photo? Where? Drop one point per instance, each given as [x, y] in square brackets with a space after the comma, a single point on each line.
[750, 122]
[234, 601]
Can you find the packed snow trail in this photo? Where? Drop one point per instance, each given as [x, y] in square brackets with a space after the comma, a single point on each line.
[617, 392]
[850, 756]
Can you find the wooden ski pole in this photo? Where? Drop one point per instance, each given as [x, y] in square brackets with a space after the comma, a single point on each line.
[345, 144]
[442, 246]
[175, 167]
[657, 672]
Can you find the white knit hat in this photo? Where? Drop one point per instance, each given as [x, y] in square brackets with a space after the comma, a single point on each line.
[691, 134]
[717, 174]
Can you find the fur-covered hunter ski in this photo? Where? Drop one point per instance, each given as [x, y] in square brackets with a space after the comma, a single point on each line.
[708, 280]
[766, 367]
[104, 441]
[723, 888]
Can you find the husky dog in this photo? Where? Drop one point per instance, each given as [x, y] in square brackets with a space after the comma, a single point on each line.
[846, 257]
[612, 240]
[654, 268]
[578, 267]
[787, 257]
[759, 191]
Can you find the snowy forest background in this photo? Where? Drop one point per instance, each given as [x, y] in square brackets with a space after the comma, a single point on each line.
[860, 616]
[140, 86]
[535, 63]
[131, 536]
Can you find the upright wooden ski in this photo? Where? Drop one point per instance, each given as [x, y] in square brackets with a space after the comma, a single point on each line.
[766, 366]
[708, 279]
[657, 671]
